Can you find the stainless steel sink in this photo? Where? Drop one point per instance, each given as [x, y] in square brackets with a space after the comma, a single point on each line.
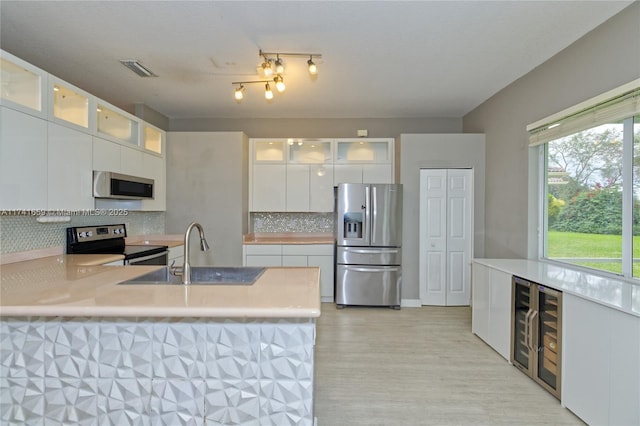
[203, 275]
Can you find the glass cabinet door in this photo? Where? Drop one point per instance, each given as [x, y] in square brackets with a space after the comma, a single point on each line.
[70, 104]
[21, 84]
[549, 303]
[268, 150]
[117, 125]
[309, 151]
[152, 139]
[363, 151]
[520, 341]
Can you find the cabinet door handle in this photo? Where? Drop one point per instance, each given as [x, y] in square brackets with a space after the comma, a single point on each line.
[526, 329]
[531, 318]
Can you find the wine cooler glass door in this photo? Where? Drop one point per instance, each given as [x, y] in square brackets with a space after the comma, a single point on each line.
[521, 320]
[548, 345]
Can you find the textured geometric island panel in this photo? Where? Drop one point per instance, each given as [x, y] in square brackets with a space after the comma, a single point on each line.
[147, 371]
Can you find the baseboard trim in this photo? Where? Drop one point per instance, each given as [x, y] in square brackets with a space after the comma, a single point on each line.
[411, 303]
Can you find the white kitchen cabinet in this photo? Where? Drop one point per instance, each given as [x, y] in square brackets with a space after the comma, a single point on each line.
[363, 173]
[297, 188]
[153, 167]
[268, 192]
[262, 255]
[491, 308]
[23, 86]
[601, 372]
[295, 255]
[321, 197]
[69, 169]
[23, 160]
[131, 161]
[364, 150]
[310, 151]
[106, 155]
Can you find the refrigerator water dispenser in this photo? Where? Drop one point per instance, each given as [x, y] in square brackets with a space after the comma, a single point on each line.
[353, 225]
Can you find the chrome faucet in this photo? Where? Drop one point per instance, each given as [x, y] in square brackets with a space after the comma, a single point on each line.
[185, 270]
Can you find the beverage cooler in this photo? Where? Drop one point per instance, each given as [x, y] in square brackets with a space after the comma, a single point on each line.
[536, 339]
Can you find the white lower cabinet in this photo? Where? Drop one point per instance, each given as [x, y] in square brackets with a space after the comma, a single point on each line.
[491, 314]
[69, 169]
[601, 367]
[23, 161]
[292, 255]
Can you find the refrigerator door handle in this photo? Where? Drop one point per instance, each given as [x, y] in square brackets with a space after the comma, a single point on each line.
[367, 214]
[370, 269]
[374, 212]
[371, 251]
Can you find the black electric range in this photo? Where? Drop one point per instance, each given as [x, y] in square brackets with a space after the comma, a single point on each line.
[110, 239]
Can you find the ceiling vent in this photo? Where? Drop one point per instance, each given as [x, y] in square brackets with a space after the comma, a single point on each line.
[137, 67]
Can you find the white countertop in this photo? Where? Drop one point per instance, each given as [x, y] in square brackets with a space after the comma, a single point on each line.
[617, 294]
[65, 285]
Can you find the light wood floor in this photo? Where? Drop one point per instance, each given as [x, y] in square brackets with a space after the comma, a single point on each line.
[419, 366]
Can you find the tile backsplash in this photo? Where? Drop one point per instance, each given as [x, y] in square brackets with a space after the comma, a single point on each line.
[24, 233]
[291, 222]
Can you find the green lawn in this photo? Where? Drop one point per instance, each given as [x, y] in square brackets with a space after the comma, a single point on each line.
[592, 246]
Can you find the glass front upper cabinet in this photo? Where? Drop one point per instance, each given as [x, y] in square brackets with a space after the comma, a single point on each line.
[269, 150]
[117, 125]
[22, 85]
[152, 138]
[363, 151]
[70, 104]
[309, 150]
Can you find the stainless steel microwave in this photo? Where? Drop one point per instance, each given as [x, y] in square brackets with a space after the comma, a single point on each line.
[120, 186]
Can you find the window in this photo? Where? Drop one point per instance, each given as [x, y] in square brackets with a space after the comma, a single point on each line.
[591, 184]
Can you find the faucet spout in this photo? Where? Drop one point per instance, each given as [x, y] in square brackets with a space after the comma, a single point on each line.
[204, 246]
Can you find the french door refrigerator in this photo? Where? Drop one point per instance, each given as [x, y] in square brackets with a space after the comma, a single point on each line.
[536, 340]
[368, 244]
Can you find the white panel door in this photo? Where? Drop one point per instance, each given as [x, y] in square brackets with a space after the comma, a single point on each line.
[459, 214]
[433, 228]
[446, 210]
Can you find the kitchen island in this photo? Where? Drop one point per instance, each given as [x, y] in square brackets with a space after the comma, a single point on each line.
[78, 348]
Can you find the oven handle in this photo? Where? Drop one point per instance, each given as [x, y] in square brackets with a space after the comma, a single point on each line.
[142, 259]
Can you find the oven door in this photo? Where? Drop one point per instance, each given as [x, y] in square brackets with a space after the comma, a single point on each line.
[153, 259]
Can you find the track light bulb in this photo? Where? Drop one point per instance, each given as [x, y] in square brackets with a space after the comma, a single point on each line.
[266, 68]
[279, 83]
[313, 68]
[268, 94]
[239, 94]
[279, 66]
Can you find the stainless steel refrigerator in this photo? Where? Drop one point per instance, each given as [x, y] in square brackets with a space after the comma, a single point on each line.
[368, 244]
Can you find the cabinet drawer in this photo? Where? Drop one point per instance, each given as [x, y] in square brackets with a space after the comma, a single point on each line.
[263, 249]
[308, 249]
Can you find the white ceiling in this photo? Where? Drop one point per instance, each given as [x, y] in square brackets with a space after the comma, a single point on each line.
[379, 59]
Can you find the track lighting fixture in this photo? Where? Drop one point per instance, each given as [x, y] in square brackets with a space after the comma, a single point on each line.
[279, 65]
[268, 94]
[313, 68]
[270, 67]
[279, 83]
[239, 93]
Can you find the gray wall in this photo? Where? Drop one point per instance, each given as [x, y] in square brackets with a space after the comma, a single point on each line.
[443, 151]
[320, 128]
[207, 182]
[605, 58]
